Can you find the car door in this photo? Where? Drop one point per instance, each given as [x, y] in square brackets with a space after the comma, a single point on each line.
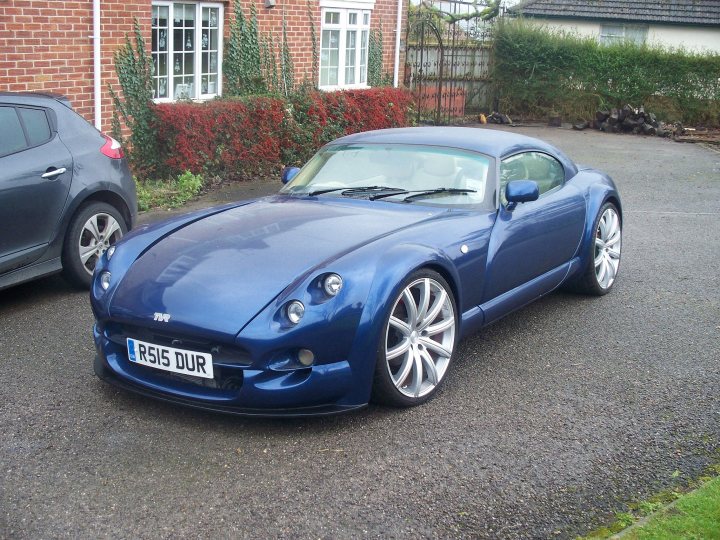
[35, 176]
[535, 237]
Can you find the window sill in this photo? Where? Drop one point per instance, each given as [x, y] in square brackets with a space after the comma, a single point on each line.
[201, 99]
[335, 88]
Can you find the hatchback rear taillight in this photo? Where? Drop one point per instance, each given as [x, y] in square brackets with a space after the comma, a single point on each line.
[112, 148]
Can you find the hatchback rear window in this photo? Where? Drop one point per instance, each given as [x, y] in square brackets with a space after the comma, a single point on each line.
[12, 137]
[36, 125]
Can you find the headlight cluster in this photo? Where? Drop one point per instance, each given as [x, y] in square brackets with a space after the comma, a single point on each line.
[330, 286]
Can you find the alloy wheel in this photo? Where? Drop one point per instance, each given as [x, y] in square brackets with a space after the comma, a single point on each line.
[608, 241]
[420, 337]
[99, 233]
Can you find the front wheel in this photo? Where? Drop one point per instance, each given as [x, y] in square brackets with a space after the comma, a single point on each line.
[92, 230]
[603, 253]
[417, 342]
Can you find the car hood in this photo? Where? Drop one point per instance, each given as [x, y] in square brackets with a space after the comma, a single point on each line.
[213, 275]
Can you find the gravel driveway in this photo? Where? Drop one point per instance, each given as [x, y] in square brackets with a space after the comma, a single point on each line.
[549, 422]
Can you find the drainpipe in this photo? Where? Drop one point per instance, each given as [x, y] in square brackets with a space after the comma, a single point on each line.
[96, 63]
[398, 29]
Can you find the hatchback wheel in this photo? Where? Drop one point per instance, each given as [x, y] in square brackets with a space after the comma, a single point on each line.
[92, 230]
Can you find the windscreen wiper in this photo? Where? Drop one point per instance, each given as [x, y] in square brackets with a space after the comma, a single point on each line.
[430, 192]
[357, 190]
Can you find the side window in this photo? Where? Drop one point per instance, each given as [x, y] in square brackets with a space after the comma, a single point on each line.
[36, 125]
[12, 137]
[542, 168]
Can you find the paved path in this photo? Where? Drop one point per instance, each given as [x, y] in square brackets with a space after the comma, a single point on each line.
[550, 420]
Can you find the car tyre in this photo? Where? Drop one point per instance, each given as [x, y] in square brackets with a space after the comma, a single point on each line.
[93, 228]
[603, 257]
[417, 343]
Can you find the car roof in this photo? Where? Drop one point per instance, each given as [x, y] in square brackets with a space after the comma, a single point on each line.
[34, 98]
[491, 142]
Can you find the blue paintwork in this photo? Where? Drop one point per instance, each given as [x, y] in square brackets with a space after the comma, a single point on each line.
[289, 173]
[225, 275]
[519, 191]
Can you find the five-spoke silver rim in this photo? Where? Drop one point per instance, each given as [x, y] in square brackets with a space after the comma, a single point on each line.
[420, 337]
[99, 233]
[608, 241]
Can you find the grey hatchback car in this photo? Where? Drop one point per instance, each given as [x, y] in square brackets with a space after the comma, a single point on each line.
[66, 192]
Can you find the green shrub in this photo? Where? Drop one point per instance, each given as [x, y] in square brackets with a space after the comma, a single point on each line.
[170, 193]
[537, 72]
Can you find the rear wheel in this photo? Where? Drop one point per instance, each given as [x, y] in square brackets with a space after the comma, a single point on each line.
[93, 229]
[604, 253]
[418, 341]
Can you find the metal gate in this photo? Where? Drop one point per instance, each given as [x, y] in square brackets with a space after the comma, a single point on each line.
[447, 63]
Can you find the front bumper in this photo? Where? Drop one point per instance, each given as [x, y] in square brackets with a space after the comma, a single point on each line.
[239, 389]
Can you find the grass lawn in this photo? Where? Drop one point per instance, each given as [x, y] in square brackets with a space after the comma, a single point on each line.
[694, 516]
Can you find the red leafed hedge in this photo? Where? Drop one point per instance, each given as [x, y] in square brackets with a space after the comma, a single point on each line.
[235, 138]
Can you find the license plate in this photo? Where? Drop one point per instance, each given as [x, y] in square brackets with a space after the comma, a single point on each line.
[197, 364]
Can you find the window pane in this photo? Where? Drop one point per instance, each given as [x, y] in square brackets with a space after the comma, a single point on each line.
[366, 19]
[12, 138]
[329, 57]
[36, 125]
[352, 18]
[350, 55]
[159, 49]
[636, 34]
[332, 17]
[363, 56]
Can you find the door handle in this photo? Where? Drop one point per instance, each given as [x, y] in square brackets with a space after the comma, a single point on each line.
[54, 173]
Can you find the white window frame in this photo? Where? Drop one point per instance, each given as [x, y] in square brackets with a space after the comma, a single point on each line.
[197, 75]
[607, 38]
[360, 9]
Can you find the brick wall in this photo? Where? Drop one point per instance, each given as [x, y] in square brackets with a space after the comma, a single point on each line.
[45, 45]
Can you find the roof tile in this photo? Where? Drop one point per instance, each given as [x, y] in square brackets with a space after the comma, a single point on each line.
[692, 12]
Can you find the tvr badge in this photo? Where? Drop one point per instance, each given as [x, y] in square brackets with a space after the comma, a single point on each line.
[164, 317]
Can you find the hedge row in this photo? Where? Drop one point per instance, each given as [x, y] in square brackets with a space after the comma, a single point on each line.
[538, 72]
[237, 138]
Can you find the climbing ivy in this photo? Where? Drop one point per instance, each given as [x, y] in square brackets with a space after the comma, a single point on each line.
[287, 69]
[242, 64]
[376, 77]
[134, 68]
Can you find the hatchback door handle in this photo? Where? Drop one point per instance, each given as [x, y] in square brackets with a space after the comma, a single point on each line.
[54, 173]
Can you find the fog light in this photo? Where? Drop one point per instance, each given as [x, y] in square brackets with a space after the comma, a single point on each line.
[332, 284]
[306, 357]
[109, 252]
[295, 311]
[105, 280]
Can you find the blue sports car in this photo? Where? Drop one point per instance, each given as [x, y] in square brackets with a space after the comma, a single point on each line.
[356, 281]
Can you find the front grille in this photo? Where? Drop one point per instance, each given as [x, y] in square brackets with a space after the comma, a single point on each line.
[228, 360]
[222, 353]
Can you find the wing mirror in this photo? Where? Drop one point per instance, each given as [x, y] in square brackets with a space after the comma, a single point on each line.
[289, 173]
[519, 191]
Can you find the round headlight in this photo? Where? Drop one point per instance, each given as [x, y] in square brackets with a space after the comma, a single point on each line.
[295, 311]
[105, 280]
[332, 284]
[109, 252]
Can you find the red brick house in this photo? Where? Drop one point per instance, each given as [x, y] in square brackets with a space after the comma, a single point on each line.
[67, 47]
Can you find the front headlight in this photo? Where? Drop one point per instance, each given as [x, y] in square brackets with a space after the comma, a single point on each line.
[109, 252]
[332, 284]
[105, 280]
[295, 311]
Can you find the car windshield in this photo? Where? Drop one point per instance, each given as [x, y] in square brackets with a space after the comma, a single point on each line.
[398, 173]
